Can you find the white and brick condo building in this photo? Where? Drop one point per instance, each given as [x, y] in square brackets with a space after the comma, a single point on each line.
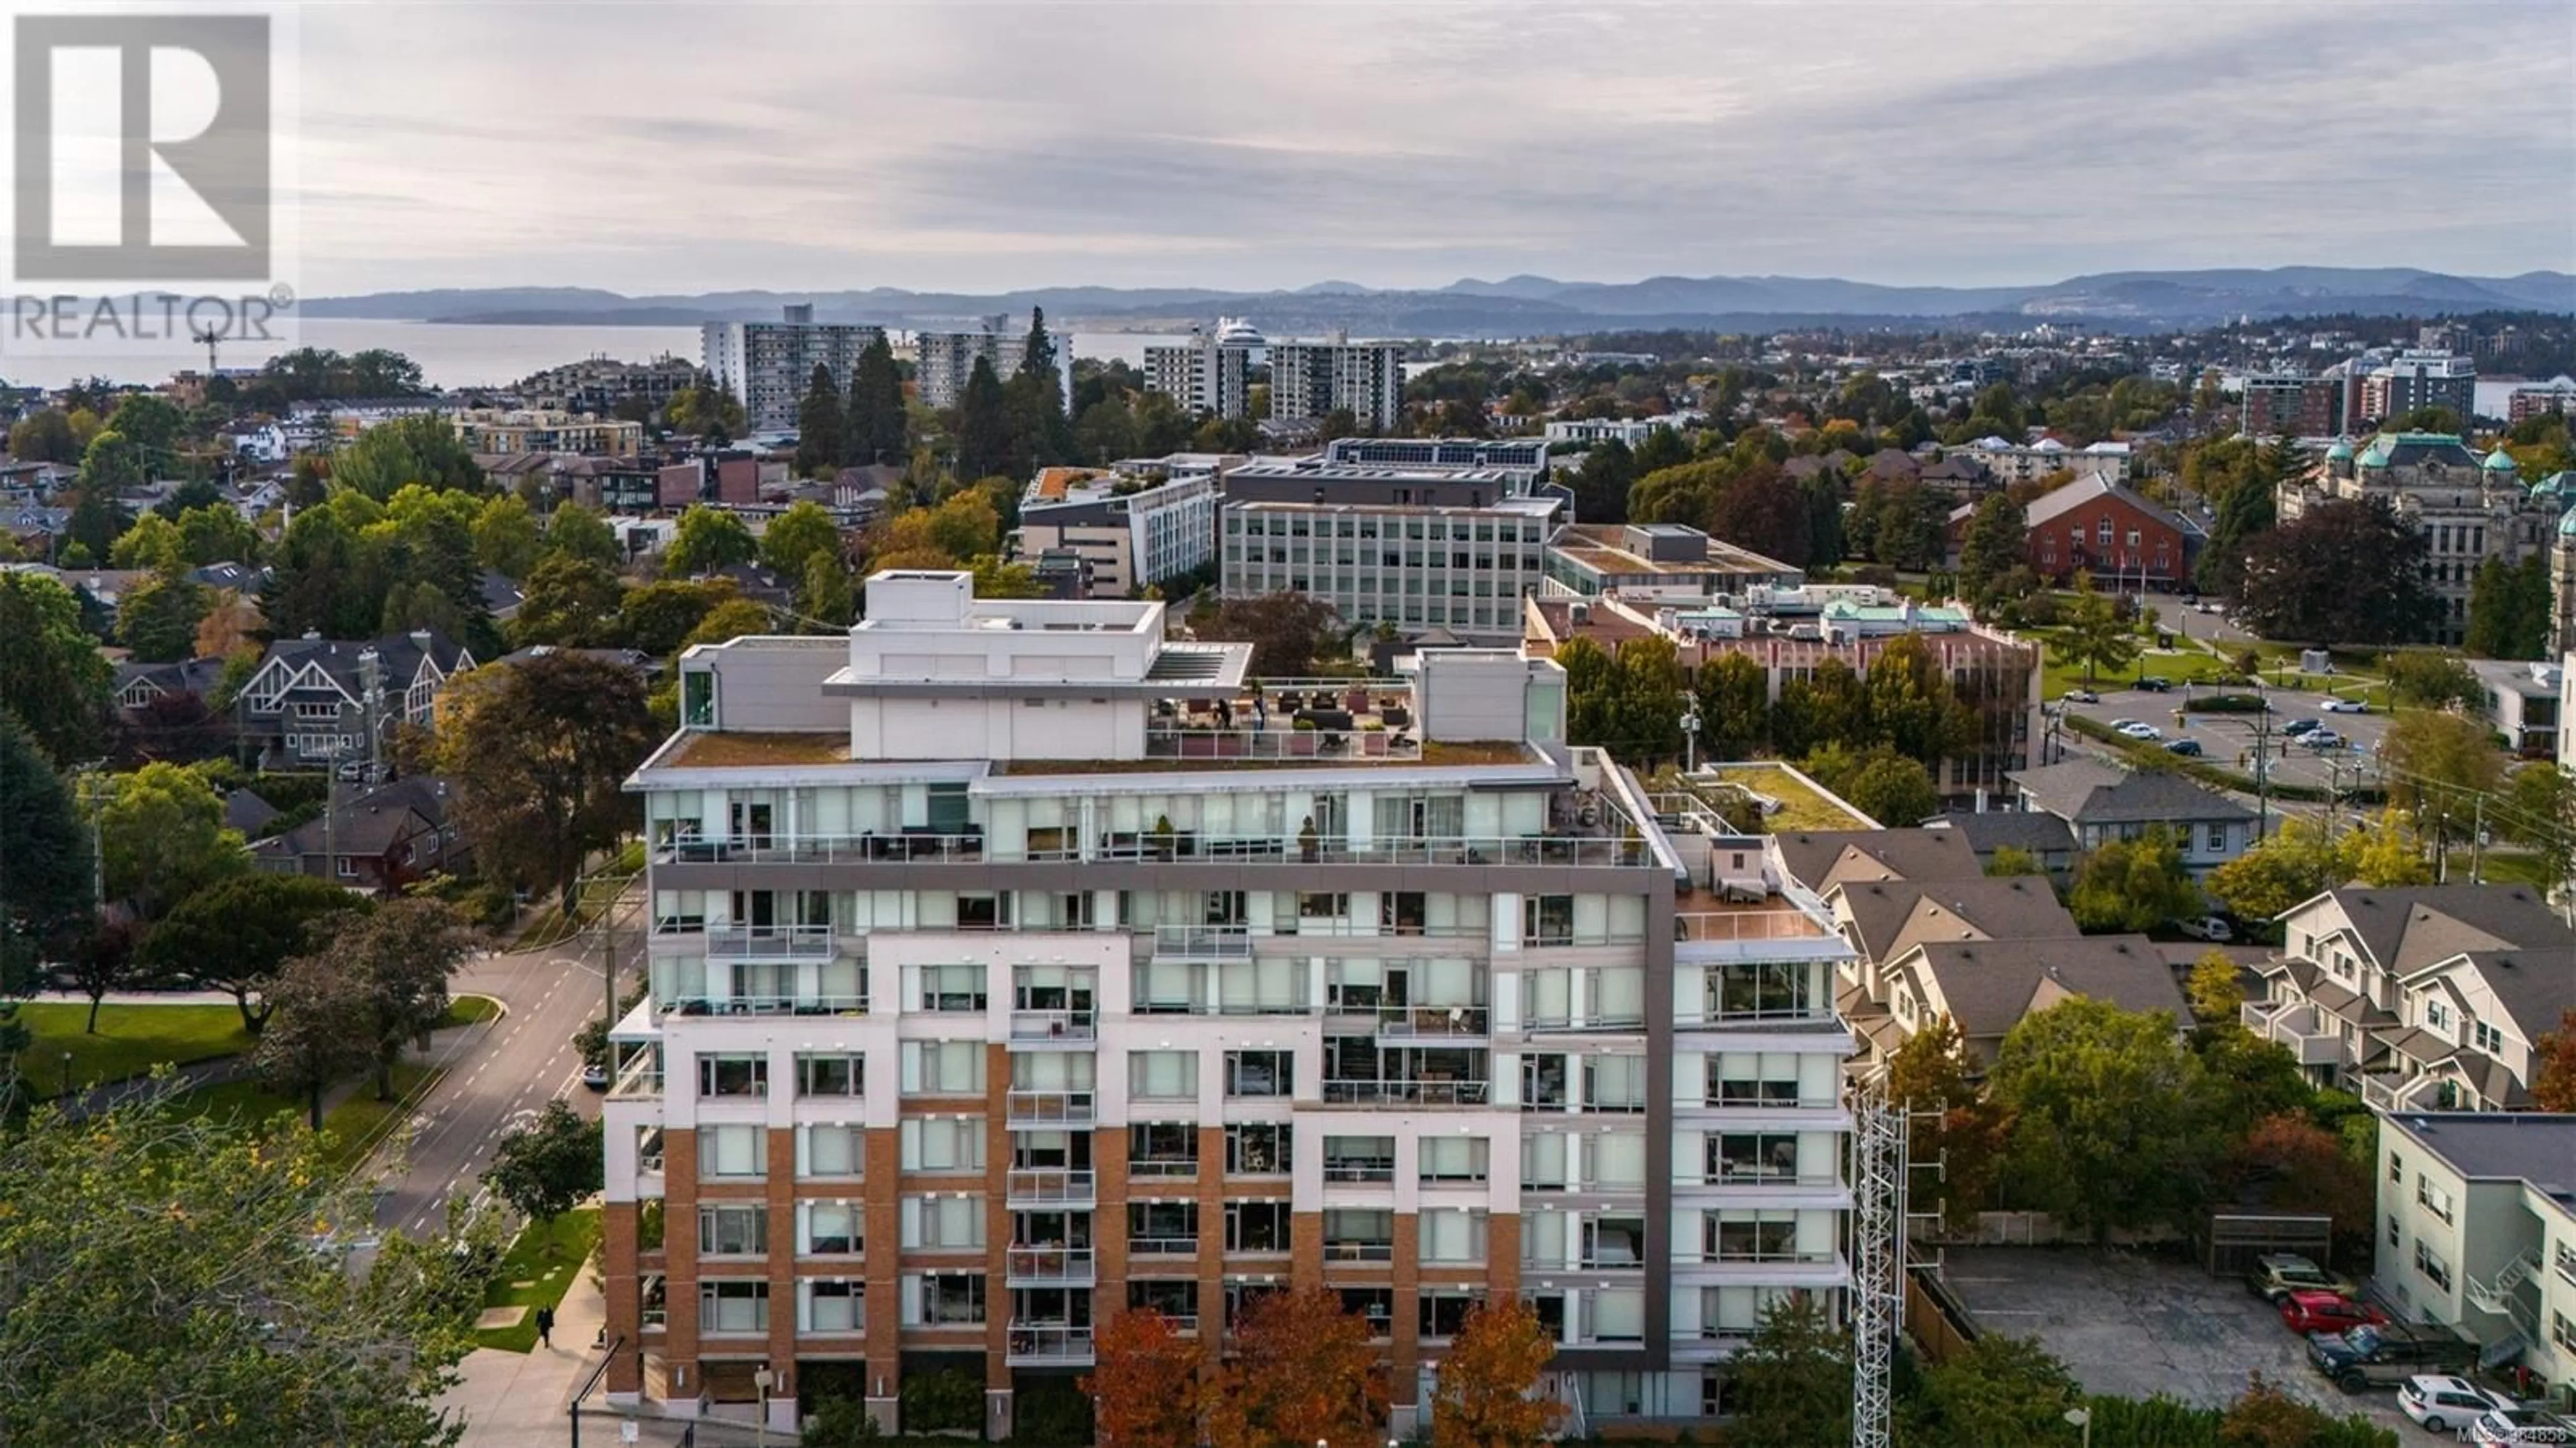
[1310, 380]
[1012, 966]
[1205, 376]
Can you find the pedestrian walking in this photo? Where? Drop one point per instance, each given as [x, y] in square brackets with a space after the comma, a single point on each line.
[546, 1326]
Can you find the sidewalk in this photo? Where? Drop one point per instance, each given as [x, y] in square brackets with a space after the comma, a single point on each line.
[514, 1400]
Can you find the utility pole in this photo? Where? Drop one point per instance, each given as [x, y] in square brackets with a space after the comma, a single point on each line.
[2478, 839]
[2262, 763]
[371, 700]
[1690, 737]
[91, 797]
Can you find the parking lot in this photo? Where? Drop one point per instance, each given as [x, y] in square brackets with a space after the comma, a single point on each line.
[2229, 739]
[2132, 1325]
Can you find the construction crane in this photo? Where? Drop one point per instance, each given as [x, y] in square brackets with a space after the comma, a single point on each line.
[208, 338]
[1879, 1170]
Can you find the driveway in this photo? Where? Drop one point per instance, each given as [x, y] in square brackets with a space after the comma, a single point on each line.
[2132, 1326]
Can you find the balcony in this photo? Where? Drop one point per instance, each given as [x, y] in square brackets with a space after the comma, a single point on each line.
[1178, 943]
[766, 1005]
[1050, 1187]
[1035, 1027]
[1050, 1108]
[641, 1080]
[1151, 1246]
[1411, 1093]
[729, 944]
[1050, 1267]
[1358, 1250]
[1357, 1169]
[2388, 1091]
[1728, 927]
[911, 842]
[1344, 745]
[1034, 1344]
[1433, 1021]
[2500, 1294]
[2312, 1036]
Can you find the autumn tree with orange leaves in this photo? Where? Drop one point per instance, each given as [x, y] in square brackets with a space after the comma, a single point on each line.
[2553, 1083]
[1144, 1383]
[1303, 1372]
[1484, 1397]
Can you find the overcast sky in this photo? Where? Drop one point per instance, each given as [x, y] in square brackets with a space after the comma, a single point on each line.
[659, 147]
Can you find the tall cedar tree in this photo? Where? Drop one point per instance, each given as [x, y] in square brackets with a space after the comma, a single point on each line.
[818, 425]
[873, 425]
[537, 754]
[983, 425]
[1042, 435]
[1144, 1383]
[44, 857]
[1303, 1372]
[1485, 1396]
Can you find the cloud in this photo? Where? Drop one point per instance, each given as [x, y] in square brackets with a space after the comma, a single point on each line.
[661, 148]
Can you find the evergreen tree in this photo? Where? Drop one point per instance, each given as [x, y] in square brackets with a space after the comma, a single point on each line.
[1995, 542]
[1601, 484]
[1041, 434]
[873, 426]
[983, 425]
[818, 425]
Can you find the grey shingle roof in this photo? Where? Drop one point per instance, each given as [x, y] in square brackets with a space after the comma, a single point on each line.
[2087, 793]
[1821, 859]
[1892, 915]
[2406, 929]
[1990, 985]
[2021, 829]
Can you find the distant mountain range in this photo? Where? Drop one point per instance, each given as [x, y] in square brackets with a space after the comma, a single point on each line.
[1543, 306]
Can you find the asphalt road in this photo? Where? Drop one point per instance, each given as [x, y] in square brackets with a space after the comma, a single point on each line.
[501, 1072]
[2229, 739]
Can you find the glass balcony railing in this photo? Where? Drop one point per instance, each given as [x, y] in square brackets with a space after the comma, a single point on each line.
[1052, 1025]
[1049, 1342]
[1050, 1107]
[769, 942]
[1050, 1266]
[1050, 1186]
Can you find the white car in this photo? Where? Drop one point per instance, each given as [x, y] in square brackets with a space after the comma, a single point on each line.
[2124, 725]
[2212, 928]
[2345, 706]
[2322, 739]
[2143, 731]
[2081, 696]
[2443, 1403]
[2518, 1426]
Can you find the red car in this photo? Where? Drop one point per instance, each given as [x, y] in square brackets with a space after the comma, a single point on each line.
[2307, 1312]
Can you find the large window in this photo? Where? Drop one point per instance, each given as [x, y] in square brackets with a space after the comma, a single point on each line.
[1762, 1156]
[1358, 1234]
[1256, 1226]
[733, 1151]
[733, 1230]
[1163, 1228]
[943, 1143]
[831, 1151]
[733, 1075]
[944, 1299]
[1547, 920]
[830, 1074]
[1454, 1158]
[943, 1068]
[833, 1229]
[1359, 1158]
[1752, 1236]
[1759, 989]
[1614, 1083]
[1163, 1075]
[957, 988]
[834, 1304]
[733, 1307]
[1162, 1148]
[943, 1223]
[1259, 1073]
[1258, 1148]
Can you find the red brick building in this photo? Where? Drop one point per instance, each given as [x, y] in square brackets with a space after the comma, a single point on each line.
[2107, 530]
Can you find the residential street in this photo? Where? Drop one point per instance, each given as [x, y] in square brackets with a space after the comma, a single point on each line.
[511, 1066]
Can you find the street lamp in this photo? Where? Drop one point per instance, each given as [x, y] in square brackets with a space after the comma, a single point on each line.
[764, 1379]
[67, 1075]
[2084, 1420]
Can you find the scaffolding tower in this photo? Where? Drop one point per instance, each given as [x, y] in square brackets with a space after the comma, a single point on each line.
[1878, 1257]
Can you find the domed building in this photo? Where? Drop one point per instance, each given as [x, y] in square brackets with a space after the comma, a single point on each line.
[2469, 508]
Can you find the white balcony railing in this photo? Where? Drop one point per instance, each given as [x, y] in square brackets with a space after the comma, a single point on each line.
[1052, 1025]
[1050, 1266]
[1048, 1342]
[1050, 1187]
[1052, 1108]
[769, 942]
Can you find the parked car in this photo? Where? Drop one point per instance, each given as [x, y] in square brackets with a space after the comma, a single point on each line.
[2368, 1357]
[2143, 731]
[2155, 683]
[2188, 748]
[595, 1076]
[2080, 696]
[2123, 726]
[2308, 1312]
[2518, 1426]
[2297, 727]
[2345, 706]
[2212, 928]
[2322, 739]
[2275, 1275]
[2443, 1403]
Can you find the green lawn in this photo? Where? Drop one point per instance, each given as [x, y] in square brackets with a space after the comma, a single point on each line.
[131, 1039]
[357, 1124]
[547, 1259]
[467, 1009]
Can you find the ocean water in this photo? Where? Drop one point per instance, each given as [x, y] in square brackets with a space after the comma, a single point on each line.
[465, 355]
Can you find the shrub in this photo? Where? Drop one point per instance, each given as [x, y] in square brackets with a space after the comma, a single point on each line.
[2227, 704]
[940, 1401]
